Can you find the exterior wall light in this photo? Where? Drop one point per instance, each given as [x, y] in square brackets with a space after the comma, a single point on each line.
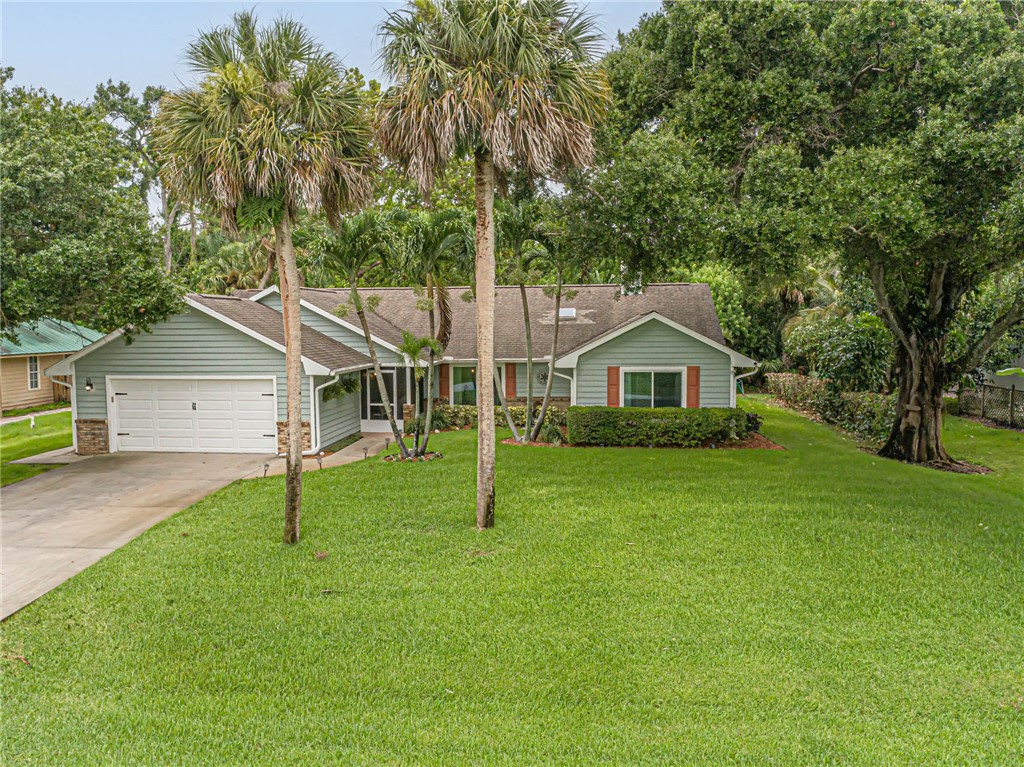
[88, 384]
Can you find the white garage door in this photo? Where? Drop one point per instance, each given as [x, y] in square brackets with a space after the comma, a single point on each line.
[204, 415]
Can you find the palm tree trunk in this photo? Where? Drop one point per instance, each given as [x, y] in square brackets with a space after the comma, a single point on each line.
[485, 267]
[372, 348]
[529, 363]
[429, 417]
[508, 415]
[288, 271]
[551, 364]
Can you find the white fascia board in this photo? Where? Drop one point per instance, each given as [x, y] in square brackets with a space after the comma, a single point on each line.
[263, 293]
[66, 366]
[309, 366]
[569, 360]
[351, 326]
[351, 368]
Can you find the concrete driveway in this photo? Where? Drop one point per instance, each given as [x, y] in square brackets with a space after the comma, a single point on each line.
[56, 524]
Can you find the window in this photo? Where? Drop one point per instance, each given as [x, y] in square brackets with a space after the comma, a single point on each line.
[33, 372]
[567, 313]
[652, 388]
[463, 385]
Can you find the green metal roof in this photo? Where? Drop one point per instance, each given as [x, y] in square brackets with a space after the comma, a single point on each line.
[48, 337]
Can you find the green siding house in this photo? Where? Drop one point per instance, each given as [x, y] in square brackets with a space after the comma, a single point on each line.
[212, 379]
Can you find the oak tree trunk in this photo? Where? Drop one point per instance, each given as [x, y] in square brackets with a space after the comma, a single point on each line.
[916, 434]
[288, 271]
[485, 463]
[192, 235]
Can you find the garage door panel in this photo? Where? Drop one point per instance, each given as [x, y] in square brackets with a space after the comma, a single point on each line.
[195, 415]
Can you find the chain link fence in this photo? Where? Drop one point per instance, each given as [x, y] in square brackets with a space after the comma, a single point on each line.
[1005, 406]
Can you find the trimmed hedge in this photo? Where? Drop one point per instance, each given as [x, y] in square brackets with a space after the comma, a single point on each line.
[459, 416]
[865, 414]
[656, 427]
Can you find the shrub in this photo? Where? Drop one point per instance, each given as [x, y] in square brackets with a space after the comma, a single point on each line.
[855, 353]
[551, 433]
[865, 414]
[654, 427]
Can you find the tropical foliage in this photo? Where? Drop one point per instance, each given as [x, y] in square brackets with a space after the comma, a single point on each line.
[273, 127]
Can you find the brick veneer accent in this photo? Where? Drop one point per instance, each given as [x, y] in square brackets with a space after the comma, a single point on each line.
[282, 436]
[93, 436]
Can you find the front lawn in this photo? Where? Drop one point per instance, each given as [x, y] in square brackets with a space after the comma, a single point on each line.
[814, 606]
[20, 440]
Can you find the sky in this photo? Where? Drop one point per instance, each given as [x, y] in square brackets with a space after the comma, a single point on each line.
[68, 48]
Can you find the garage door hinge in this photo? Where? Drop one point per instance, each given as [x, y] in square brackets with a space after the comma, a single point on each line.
[268, 395]
[123, 434]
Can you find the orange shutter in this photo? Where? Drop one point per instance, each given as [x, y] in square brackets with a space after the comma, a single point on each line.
[693, 386]
[443, 382]
[613, 387]
[510, 380]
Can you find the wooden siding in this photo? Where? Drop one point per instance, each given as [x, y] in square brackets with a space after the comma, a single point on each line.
[187, 344]
[560, 388]
[338, 417]
[338, 332]
[654, 344]
[14, 391]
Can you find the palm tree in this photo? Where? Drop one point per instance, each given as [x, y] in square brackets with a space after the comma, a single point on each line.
[431, 241]
[359, 244]
[560, 260]
[513, 84]
[272, 127]
[413, 348]
[518, 235]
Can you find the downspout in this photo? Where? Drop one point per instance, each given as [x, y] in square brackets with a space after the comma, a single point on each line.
[736, 378]
[572, 385]
[315, 406]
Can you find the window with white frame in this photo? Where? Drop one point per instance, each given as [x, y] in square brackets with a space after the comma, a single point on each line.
[652, 388]
[33, 372]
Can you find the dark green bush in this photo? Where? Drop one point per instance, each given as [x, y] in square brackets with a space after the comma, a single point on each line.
[854, 352]
[655, 427]
[865, 414]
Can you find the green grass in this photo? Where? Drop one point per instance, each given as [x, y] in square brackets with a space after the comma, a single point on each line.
[35, 409]
[816, 606]
[20, 440]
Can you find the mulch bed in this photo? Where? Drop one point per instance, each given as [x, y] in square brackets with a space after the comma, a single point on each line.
[397, 458]
[755, 441]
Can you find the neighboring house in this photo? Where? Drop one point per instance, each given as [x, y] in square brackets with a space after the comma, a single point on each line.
[1007, 382]
[213, 378]
[25, 358]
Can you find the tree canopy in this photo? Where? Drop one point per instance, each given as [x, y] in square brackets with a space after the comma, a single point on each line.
[75, 235]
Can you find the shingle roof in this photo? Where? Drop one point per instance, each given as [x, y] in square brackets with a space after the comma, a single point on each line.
[48, 337]
[599, 310]
[269, 323]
